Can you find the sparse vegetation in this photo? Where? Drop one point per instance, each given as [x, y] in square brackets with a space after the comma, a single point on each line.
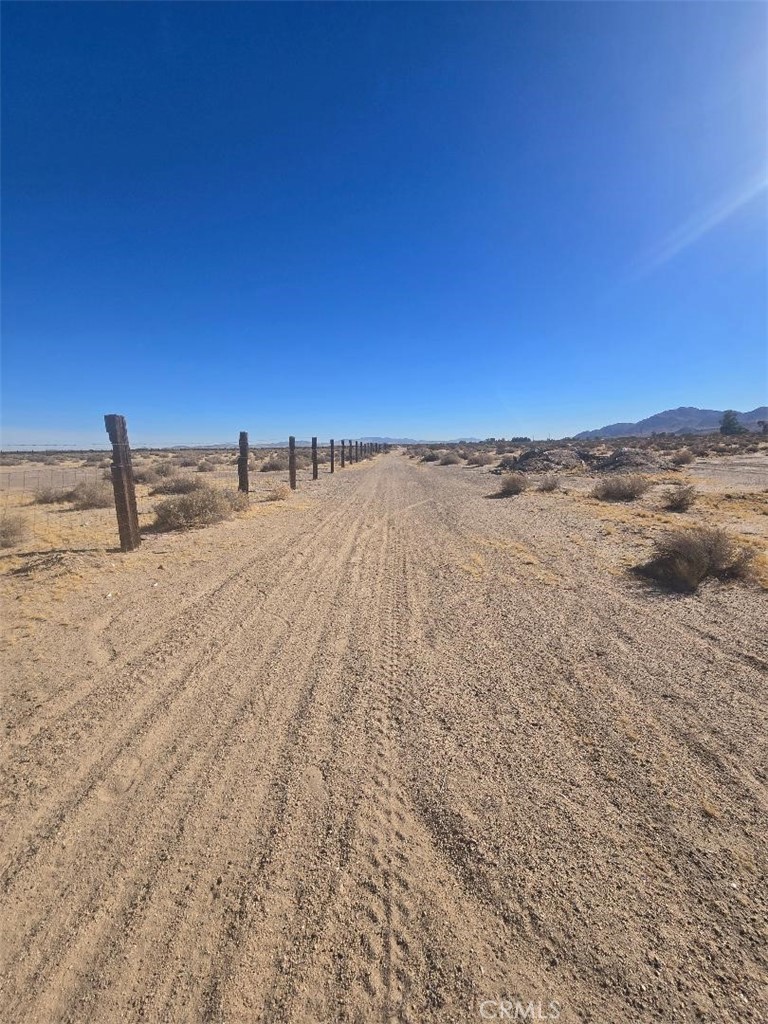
[683, 560]
[280, 492]
[14, 527]
[201, 507]
[205, 467]
[682, 458]
[274, 463]
[621, 487]
[178, 485]
[430, 457]
[51, 496]
[93, 494]
[508, 463]
[549, 482]
[512, 483]
[481, 459]
[679, 498]
[450, 459]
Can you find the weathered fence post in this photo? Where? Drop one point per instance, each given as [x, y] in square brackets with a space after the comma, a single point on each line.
[357, 451]
[314, 458]
[292, 462]
[122, 481]
[242, 464]
[343, 449]
[333, 459]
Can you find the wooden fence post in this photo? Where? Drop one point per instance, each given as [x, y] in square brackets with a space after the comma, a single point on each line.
[292, 462]
[123, 484]
[242, 464]
[343, 449]
[357, 451]
[333, 460]
[314, 458]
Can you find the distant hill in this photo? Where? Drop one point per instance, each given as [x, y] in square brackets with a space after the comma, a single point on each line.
[685, 420]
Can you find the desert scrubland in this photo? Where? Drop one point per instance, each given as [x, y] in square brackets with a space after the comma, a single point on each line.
[390, 748]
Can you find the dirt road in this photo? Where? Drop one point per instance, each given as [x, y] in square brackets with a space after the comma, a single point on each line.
[392, 752]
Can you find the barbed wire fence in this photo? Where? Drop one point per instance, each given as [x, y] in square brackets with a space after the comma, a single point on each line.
[63, 497]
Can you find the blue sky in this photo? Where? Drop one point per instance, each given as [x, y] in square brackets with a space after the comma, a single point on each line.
[432, 220]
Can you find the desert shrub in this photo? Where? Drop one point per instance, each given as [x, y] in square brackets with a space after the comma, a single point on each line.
[549, 482]
[13, 529]
[682, 560]
[201, 507]
[621, 487]
[680, 498]
[186, 461]
[508, 463]
[165, 469]
[481, 459]
[273, 463]
[450, 459]
[91, 494]
[430, 457]
[145, 475]
[682, 458]
[178, 485]
[280, 492]
[512, 483]
[50, 496]
[205, 467]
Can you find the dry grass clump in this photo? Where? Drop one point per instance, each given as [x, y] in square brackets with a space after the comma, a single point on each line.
[450, 459]
[274, 463]
[178, 485]
[481, 459]
[549, 482]
[682, 458]
[95, 494]
[50, 496]
[205, 467]
[621, 487]
[512, 483]
[430, 457]
[508, 463]
[679, 498]
[166, 469]
[280, 492]
[683, 560]
[145, 475]
[201, 507]
[14, 527]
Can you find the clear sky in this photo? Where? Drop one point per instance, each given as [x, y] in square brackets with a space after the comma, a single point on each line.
[431, 220]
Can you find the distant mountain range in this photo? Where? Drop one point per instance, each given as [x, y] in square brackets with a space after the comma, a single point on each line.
[685, 420]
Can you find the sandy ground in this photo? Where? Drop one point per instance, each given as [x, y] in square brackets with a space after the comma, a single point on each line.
[390, 751]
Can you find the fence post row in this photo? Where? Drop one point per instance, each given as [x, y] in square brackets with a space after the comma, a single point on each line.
[242, 464]
[292, 462]
[332, 456]
[314, 458]
[123, 484]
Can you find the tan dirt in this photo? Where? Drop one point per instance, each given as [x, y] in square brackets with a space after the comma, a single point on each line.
[390, 751]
